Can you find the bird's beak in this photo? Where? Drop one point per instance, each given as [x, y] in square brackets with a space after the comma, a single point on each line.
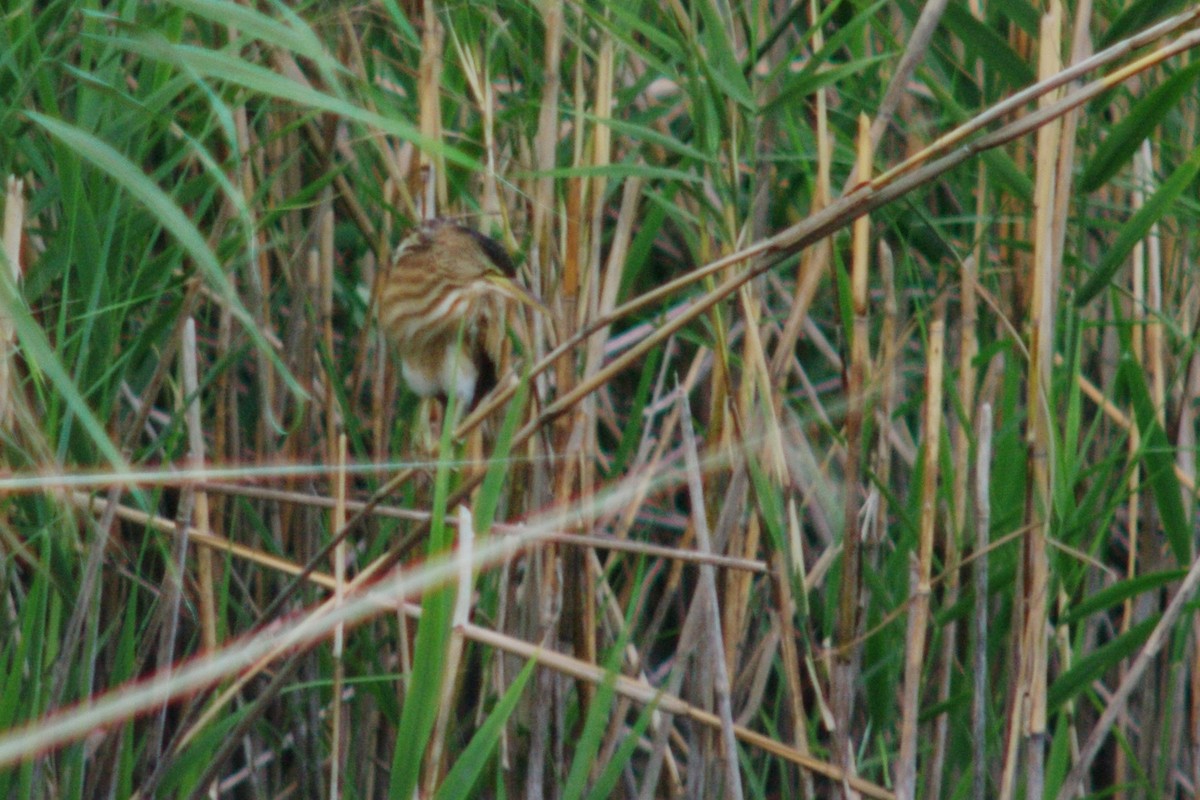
[519, 293]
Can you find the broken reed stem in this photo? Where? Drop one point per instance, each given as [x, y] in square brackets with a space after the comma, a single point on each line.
[906, 766]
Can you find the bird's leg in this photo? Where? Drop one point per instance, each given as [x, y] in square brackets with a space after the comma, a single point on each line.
[427, 427]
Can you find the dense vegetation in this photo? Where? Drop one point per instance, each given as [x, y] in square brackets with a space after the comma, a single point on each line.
[856, 455]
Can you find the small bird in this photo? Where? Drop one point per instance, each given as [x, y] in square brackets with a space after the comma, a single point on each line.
[445, 305]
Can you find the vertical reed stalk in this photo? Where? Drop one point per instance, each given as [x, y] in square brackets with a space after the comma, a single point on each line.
[10, 239]
[1032, 649]
[845, 678]
[338, 737]
[906, 764]
[979, 645]
[711, 614]
[428, 181]
[547, 596]
[953, 531]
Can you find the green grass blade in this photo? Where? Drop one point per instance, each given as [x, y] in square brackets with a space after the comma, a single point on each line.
[1119, 592]
[104, 157]
[606, 782]
[488, 499]
[998, 57]
[41, 358]
[1159, 459]
[1138, 15]
[239, 72]
[424, 693]
[1139, 225]
[1124, 138]
[461, 779]
[1081, 674]
[588, 745]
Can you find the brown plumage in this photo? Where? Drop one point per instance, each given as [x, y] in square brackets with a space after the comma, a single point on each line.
[445, 304]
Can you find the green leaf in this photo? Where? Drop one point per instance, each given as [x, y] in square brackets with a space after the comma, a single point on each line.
[606, 784]
[488, 499]
[1159, 459]
[296, 38]
[648, 135]
[808, 82]
[593, 733]
[1094, 664]
[1139, 15]
[430, 651]
[1139, 225]
[461, 779]
[40, 356]
[618, 172]
[718, 59]
[1002, 61]
[102, 156]
[1126, 136]
[228, 67]
[1118, 593]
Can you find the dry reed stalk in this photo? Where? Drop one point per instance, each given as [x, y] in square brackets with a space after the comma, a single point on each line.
[14, 224]
[1155, 343]
[982, 476]
[845, 678]
[576, 310]
[955, 529]
[661, 756]
[790, 653]
[547, 596]
[906, 762]
[890, 380]
[196, 460]
[226, 431]
[176, 568]
[477, 72]
[1081, 50]
[1030, 644]
[713, 649]
[313, 628]
[890, 366]
[980, 689]
[759, 421]
[338, 739]
[428, 178]
[108, 507]
[898, 88]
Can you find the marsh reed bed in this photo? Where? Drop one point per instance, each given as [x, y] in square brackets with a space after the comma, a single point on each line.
[852, 455]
